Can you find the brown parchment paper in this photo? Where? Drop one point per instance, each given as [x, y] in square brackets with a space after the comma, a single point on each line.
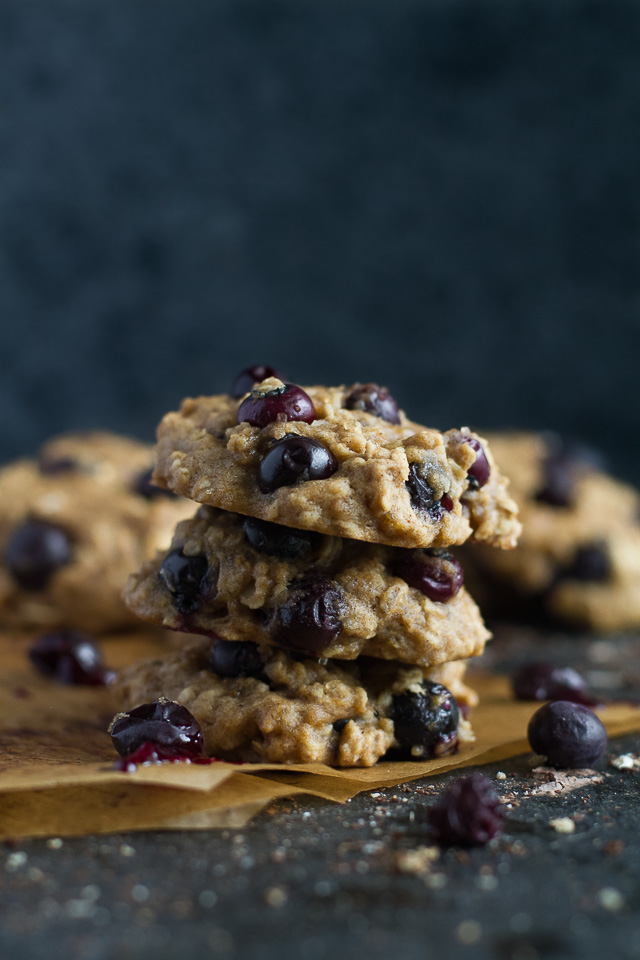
[56, 775]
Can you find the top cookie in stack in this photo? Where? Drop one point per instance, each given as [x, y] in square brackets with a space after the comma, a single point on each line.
[341, 461]
[315, 566]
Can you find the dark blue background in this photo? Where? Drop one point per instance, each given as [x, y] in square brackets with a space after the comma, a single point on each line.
[441, 196]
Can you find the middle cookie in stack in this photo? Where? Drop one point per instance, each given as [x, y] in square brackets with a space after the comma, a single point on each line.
[322, 648]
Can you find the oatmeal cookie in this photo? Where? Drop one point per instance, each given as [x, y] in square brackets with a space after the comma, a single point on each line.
[73, 523]
[341, 461]
[256, 703]
[579, 555]
[246, 579]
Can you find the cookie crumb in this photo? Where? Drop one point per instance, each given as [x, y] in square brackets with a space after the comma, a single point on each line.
[611, 899]
[416, 861]
[563, 825]
[275, 896]
[54, 843]
[501, 775]
[626, 761]
[468, 932]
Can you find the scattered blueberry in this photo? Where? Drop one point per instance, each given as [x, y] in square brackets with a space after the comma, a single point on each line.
[71, 657]
[434, 572]
[567, 734]
[149, 490]
[235, 659]
[468, 813]
[185, 579]
[544, 681]
[275, 540]
[294, 459]
[164, 723]
[288, 402]
[310, 619]
[423, 495]
[373, 399]
[480, 471]
[246, 379]
[35, 551]
[590, 563]
[426, 723]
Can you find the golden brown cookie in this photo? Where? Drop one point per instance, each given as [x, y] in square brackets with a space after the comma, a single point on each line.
[245, 579]
[337, 461]
[259, 704]
[579, 554]
[73, 524]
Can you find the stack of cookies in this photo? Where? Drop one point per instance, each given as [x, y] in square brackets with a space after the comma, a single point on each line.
[331, 625]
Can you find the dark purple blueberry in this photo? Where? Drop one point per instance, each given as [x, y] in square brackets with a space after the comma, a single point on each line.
[434, 572]
[287, 402]
[235, 659]
[544, 681]
[35, 551]
[163, 723]
[425, 724]
[423, 495]
[246, 379]
[339, 725]
[277, 541]
[468, 813]
[147, 489]
[294, 459]
[480, 471]
[567, 734]
[69, 656]
[309, 621]
[185, 579]
[590, 563]
[52, 465]
[373, 399]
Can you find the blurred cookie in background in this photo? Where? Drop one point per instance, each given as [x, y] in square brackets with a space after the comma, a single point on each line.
[74, 522]
[578, 559]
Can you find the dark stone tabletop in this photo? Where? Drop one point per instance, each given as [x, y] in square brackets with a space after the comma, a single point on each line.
[312, 879]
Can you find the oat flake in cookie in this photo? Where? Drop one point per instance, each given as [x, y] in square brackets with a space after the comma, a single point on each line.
[255, 703]
[73, 524]
[246, 579]
[351, 466]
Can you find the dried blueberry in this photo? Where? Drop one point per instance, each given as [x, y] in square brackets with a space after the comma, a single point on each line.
[567, 734]
[434, 572]
[468, 813]
[425, 723]
[339, 725]
[164, 723]
[235, 659]
[185, 579]
[373, 399]
[35, 551]
[423, 495]
[71, 657]
[310, 619]
[480, 471]
[544, 681]
[590, 563]
[277, 541]
[294, 459]
[246, 379]
[147, 489]
[287, 402]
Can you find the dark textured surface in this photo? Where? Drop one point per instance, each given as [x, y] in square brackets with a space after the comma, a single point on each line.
[443, 196]
[309, 879]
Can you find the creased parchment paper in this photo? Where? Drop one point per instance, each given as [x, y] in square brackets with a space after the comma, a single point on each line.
[56, 775]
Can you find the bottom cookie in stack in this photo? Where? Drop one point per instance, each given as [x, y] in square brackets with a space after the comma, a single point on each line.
[259, 703]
